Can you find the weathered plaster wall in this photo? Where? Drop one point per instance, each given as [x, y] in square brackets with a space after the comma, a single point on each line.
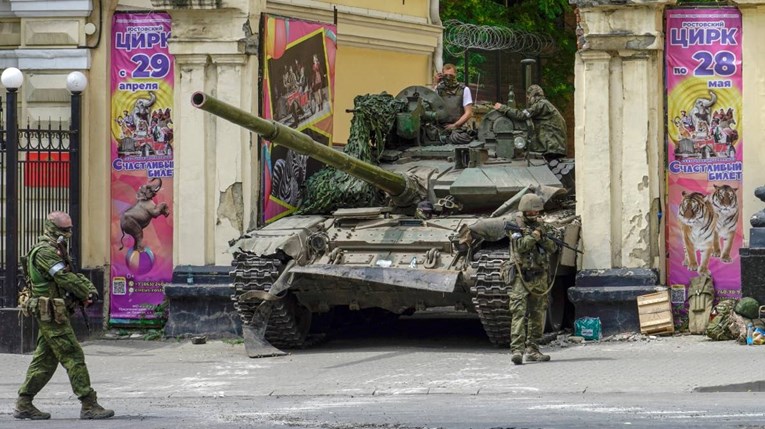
[619, 134]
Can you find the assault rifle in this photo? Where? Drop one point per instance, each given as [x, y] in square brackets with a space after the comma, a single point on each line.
[64, 251]
[510, 226]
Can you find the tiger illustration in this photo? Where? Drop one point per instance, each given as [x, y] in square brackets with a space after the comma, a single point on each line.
[699, 230]
[725, 204]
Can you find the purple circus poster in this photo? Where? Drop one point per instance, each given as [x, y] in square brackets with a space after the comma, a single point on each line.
[141, 244]
[704, 142]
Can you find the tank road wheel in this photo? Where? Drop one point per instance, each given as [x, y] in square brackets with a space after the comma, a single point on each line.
[490, 296]
[290, 322]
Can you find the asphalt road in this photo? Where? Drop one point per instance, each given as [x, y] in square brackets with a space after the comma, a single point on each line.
[426, 373]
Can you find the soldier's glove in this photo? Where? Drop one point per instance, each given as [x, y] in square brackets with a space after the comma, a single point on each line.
[537, 234]
[93, 296]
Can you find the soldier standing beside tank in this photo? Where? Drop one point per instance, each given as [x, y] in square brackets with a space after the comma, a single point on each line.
[530, 252]
[549, 125]
[459, 104]
[54, 290]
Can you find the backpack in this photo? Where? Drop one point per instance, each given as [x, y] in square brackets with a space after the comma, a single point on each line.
[701, 295]
[718, 328]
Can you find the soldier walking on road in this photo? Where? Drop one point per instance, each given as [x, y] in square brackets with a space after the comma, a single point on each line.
[530, 252]
[55, 289]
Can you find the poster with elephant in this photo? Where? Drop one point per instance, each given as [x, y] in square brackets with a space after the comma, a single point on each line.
[298, 89]
[704, 142]
[141, 239]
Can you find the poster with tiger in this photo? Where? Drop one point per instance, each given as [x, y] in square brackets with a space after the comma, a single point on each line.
[704, 142]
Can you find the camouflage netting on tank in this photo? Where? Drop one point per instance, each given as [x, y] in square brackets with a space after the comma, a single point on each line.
[330, 189]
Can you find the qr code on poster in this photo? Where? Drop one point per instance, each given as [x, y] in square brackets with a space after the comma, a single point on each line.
[678, 294]
[119, 286]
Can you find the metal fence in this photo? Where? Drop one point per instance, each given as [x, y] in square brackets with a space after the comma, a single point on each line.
[36, 177]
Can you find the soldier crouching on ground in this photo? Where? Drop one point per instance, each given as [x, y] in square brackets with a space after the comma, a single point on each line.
[53, 284]
[530, 251]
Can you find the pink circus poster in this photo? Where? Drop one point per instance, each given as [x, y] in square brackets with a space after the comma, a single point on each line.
[298, 91]
[141, 239]
[705, 146]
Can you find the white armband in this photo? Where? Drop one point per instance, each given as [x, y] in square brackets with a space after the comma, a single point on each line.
[56, 268]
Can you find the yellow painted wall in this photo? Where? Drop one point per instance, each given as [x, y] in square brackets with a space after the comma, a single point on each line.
[361, 71]
[753, 111]
[404, 7]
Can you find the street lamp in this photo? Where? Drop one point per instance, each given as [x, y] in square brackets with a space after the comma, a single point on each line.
[76, 82]
[12, 78]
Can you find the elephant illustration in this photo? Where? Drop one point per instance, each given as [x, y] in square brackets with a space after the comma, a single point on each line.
[702, 108]
[141, 110]
[138, 216]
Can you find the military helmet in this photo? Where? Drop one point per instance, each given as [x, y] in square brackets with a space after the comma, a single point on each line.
[531, 203]
[748, 307]
[535, 91]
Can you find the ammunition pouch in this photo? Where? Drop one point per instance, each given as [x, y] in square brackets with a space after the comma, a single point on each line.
[44, 309]
[507, 272]
[532, 274]
[60, 312]
[25, 295]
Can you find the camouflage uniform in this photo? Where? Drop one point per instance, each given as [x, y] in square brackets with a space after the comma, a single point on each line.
[51, 278]
[528, 296]
[549, 125]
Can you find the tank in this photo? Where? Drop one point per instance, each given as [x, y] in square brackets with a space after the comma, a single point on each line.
[439, 242]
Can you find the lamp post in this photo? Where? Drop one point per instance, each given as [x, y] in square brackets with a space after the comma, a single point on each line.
[12, 78]
[76, 82]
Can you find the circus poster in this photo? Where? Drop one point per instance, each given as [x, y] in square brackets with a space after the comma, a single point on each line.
[141, 238]
[298, 91]
[705, 139]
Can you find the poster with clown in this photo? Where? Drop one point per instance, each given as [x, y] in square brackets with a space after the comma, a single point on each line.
[705, 138]
[141, 244]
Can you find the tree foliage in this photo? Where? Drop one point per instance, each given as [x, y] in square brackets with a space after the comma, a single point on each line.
[534, 16]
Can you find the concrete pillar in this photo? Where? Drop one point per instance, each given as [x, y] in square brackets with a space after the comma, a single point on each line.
[619, 134]
[190, 233]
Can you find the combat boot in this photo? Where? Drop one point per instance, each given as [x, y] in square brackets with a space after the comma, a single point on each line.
[25, 409]
[534, 355]
[91, 410]
[517, 358]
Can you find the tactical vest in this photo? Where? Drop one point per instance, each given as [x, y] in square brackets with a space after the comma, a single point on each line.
[453, 104]
[41, 285]
[537, 258]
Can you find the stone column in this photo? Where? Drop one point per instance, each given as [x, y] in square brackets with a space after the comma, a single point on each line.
[619, 157]
[619, 149]
[190, 206]
[215, 180]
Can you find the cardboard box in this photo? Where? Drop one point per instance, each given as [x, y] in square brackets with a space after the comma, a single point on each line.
[655, 314]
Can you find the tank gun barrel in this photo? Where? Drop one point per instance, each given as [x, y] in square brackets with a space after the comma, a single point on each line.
[392, 183]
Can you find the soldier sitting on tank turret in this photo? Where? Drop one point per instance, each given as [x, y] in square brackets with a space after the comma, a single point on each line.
[459, 105]
[549, 125]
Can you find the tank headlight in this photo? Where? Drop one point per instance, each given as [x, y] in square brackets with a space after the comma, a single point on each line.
[318, 242]
[519, 143]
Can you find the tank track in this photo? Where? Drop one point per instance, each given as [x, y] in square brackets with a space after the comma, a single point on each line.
[490, 295]
[252, 272]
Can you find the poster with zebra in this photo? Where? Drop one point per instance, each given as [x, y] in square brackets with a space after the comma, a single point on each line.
[704, 142]
[298, 91]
